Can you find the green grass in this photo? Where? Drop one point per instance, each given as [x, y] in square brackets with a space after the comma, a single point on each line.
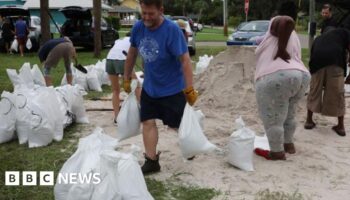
[305, 57]
[211, 34]
[15, 157]
[278, 195]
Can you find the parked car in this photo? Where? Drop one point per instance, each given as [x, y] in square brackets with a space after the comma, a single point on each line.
[79, 27]
[12, 13]
[191, 44]
[187, 19]
[246, 34]
[198, 26]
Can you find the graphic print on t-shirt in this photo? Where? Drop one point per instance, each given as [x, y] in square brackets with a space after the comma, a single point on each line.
[149, 49]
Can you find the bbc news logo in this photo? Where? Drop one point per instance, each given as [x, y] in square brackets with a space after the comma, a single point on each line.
[46, 178]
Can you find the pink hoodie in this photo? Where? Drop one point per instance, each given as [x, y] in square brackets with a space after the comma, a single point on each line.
[267, 50]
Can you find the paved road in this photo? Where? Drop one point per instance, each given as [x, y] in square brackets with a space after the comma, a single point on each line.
[304, 41]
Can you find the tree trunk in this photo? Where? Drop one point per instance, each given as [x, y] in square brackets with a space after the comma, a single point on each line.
[97, 27]
[45, 21]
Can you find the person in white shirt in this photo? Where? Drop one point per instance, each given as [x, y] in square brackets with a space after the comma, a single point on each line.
[114, 67]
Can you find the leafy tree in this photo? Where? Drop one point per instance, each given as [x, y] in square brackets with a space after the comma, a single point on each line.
[200, 6]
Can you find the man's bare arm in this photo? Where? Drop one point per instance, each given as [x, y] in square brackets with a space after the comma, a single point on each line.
[130, 63]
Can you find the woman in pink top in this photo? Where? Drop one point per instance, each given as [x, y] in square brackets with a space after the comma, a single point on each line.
[281, 81]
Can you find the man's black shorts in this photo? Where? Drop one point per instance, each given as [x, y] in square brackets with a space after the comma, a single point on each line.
[169, 109]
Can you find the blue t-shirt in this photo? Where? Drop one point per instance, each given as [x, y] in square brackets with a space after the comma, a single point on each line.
[21, 28]
[160, 50]
[47, 47]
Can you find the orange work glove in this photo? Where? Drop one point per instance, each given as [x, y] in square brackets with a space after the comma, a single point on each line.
[191, 95]
[127, 86]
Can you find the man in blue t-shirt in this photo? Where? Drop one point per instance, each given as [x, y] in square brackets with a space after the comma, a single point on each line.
[167, 75]
[21, 32]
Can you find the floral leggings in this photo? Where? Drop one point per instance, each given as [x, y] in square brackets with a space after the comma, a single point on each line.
[277, 95]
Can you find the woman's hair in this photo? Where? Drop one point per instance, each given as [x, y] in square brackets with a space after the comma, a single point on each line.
[282, 27]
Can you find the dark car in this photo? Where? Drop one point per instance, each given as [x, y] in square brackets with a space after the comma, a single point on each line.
[12, 13]
[79, 27]
[247, 33]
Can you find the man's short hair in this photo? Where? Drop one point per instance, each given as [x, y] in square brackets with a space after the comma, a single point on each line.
[327, 6]
[157, 3]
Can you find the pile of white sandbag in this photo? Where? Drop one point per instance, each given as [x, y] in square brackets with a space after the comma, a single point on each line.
[93, 80]
[36, 113]
[116, 175]
[203, 63]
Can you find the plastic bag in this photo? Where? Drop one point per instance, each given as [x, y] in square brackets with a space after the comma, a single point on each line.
[192, 139]
[14, 45]
[93, 82]
[241, 146]
[38, 76]
[7, 117]
[128, 119]
[85, 160]
[29, 44]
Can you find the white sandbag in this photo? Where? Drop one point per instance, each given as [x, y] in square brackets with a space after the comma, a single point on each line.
[14, 77]
[108, 188]
[41, 125]
[203, 63]
[100, 66]
[81, 79]
[26, 75]
[78, 108]
[93, 82]
[131, 182]
[23, 113]
[85, 160]
[261, 142]
[65, 98]
[29, 44]
[192, 139]
[241, 147]
[14, 45]
[128, 119]
[38, 76]
[7, 117]
[48, 101]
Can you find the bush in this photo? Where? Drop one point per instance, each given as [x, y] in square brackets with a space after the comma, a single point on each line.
[114, 21]
[234, 21]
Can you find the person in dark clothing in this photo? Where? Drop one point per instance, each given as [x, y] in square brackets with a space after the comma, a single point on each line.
[328, 63]
[21, 31]
[51, 53]
[8, 34]
[328, 19]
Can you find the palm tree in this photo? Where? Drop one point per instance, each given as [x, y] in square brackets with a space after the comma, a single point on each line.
[97, 29]
[45, 21]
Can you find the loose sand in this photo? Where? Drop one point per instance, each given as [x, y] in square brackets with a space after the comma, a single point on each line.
[319, 170]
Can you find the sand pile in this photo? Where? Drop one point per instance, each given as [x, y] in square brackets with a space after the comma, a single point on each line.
[319, 169]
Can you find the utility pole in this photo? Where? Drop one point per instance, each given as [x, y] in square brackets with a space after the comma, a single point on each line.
[312, 23]
[225, 17]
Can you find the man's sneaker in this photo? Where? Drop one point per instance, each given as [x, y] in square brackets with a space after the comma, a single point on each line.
[115, 122]
[150, 166]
